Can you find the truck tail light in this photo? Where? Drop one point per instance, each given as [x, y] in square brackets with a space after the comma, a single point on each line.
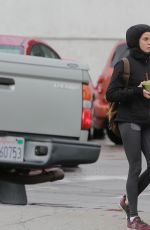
[86, 118]
[86, 92]
[86, 107]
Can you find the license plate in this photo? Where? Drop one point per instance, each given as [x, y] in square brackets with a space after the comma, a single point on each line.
[11, 149]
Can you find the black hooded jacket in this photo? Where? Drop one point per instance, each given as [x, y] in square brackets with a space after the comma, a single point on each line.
[133, 106]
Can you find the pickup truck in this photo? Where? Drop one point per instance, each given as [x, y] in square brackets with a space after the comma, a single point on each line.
[45, 116]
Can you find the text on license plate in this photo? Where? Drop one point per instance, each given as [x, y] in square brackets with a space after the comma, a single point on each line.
[11, 149]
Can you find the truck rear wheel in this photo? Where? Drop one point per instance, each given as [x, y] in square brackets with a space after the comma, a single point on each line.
[98, 133]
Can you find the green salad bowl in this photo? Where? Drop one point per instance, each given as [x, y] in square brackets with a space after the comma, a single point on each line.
[146, 85]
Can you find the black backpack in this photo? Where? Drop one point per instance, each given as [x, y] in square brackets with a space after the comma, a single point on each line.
[113, 106]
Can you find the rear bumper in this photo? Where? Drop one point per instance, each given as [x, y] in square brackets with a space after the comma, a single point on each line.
[74, 152]
[60, 152]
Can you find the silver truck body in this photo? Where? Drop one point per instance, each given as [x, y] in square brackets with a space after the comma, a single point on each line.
[41, 101]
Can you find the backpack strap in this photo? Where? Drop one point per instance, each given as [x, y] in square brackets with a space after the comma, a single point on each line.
[126, 73]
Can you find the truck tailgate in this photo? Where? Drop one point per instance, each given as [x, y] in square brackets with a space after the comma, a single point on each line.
[41, 94]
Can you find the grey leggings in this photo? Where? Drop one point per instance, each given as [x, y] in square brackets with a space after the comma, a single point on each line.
[136, 139]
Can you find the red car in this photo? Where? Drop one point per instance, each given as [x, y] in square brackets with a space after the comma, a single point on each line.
[26, 46]
[100, 103]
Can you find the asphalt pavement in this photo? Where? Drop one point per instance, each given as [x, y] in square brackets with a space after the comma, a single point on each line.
[86, 199]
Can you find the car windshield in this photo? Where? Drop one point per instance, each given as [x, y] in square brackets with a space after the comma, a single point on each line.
[10, 49]
[121, 51]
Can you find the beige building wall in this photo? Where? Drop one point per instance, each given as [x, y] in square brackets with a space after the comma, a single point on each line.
[84, 30]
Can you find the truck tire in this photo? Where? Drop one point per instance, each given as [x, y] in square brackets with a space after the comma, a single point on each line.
[98, 133]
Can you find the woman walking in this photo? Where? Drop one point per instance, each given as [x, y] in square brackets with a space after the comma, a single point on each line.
[134, 118]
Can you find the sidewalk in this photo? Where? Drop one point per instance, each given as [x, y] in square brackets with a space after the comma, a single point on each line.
[33, 217]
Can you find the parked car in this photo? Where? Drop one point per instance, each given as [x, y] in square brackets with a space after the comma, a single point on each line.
[45, 122]
[27, 46]
[36, 47]
[100, 104]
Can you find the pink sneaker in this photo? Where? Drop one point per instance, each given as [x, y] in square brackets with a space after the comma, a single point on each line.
[137, 224]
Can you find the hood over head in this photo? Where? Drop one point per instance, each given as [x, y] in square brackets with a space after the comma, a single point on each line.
[134, 33]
